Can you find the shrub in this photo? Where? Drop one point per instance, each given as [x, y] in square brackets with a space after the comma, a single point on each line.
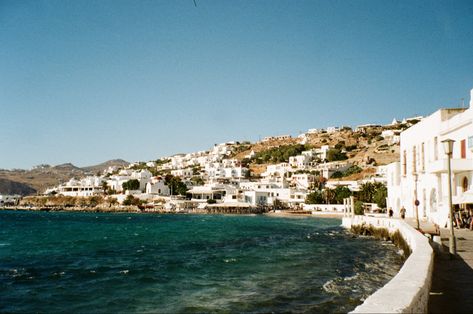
[335, 155]
[359, 208]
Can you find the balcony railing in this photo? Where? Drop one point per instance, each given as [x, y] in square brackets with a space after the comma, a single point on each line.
[458, 165]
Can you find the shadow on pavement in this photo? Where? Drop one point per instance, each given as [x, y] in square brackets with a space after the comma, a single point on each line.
[452, 285]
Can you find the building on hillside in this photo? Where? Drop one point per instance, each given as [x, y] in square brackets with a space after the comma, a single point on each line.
[204, 193]
[351, 185]
[300, 162]
[277, 171]
[276, 138]
[332, 129]
[313, 131]
[423, 165]
[321, 153]
[392, 136]
[183, 173]
[302, 181]
[115, 182]
[157, 186]
[88, 186]
[327, 169]
[9, 200]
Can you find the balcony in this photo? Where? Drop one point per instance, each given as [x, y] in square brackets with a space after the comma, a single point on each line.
[458, 165]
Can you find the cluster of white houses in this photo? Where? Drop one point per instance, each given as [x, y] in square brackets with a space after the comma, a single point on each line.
[225, 179]
[422, 172]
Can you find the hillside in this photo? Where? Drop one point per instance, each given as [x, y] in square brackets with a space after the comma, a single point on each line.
[27, 182]
[361, 147]
[13, 188]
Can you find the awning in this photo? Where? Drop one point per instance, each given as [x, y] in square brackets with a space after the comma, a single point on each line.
[465, 198]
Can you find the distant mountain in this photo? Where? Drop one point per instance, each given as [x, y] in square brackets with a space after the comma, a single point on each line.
[105, 165]
[28, 182]
[67, 166]
[12, 187]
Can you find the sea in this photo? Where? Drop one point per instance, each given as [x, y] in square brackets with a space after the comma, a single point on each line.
[137, 263]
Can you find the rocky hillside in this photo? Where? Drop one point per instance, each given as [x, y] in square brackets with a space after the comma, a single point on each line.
[28, 182]
[365, 148]
[13, 188]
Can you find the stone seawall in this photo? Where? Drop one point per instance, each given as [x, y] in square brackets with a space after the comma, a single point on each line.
[408, 291]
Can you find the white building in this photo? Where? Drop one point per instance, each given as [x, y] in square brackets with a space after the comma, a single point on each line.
[115, 182]
[157, 186]
[183, 173]
[327, 169]
[302, 181]
[300, 162]
[332, 129]
[423, 165]
[277, 171]
[313, 131]
[392, 136]
[88, 186]
[9, 200]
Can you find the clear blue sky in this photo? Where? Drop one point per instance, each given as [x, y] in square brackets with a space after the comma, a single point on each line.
[87, 81]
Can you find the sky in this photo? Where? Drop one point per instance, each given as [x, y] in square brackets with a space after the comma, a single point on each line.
[86, 81]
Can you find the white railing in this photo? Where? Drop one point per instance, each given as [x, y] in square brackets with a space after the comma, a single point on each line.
[408, 291]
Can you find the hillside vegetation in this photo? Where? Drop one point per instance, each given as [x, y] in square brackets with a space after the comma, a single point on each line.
[365, 149]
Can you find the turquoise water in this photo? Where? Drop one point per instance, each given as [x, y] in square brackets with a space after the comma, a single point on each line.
[88, 262]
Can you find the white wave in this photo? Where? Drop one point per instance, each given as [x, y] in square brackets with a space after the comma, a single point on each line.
[330, 286]
[351, 277]
[126, 271]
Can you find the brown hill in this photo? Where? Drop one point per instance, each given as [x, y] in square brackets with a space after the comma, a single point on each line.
[361, 147]
[44, 176]
[11, 188]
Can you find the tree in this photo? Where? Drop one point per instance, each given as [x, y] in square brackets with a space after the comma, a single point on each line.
[315, 197]
[131, 185]
[329, 196]
[176, 186]
[197, 180]
[335, 154]
[337, 174]
[380, 196]
[112, 201]
[319, 183]
[278, 204]
[130, 200]
[373, 193]
[366, 192]
[105, 187]
[341, 192]
[245, 162]
[359, 208]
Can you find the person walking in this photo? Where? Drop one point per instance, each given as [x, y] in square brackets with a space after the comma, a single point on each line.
[402, 211]
[390, 212]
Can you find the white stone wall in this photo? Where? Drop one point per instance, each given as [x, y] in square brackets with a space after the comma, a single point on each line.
[408, 291]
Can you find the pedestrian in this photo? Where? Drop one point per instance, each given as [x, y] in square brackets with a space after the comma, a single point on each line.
[402, 211]
[390, 212]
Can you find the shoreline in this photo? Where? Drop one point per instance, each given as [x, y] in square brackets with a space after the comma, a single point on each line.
[136, 209]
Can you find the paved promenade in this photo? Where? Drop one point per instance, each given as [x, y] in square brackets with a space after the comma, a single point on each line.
[452, 281]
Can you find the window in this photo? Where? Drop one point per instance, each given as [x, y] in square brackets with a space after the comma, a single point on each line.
[422, 157]
[436, 148]
[433, 201]
[463, 149]
[404, 163]
[470, 142]
[414, 160]
[465, 184]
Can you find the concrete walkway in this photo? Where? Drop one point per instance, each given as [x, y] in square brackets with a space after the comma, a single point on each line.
[452, 280]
